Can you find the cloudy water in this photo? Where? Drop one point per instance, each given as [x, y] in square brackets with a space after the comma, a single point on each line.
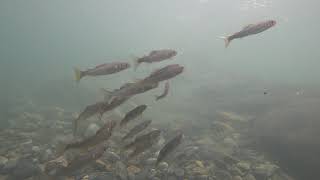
[248, 111]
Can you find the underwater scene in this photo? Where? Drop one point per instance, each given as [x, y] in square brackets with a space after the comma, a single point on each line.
[159, 90]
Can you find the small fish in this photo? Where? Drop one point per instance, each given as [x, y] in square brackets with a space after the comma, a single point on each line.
[134, 113]
[87, 113]
[137, 129]
[250, 29]
[165, 73]
[103, 134]
[155, 56]
[113, 104]
[130, 89]
[143, 142]
[169, 147]
[165, 92]
[102, 69]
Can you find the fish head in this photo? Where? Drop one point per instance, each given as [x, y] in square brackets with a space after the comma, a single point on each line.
[175, 69]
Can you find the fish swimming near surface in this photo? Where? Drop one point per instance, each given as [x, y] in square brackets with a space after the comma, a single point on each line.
[155, 56]
[87, 113]
[143, 142]
[102, 69]
[165, 92]
[134, 113]
[103, 134]
[137, 129]
[250, 29]
[130, 89]
[165, 73]
[169, 147]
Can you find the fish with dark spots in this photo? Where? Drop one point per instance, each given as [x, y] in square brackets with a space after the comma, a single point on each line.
[165, 92]
[102, 69]
[250, 29]
[103, 134]
[155, 56]
[165, 73]
[137, 129]
[169, 147]
[143, 142]
[134, 113]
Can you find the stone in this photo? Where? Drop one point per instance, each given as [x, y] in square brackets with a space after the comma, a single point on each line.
[243, 166]
[179, 172]
[3, 161]
[91, 130]
[36, 149]
[237, 178]
[163, 166]
[249, 177]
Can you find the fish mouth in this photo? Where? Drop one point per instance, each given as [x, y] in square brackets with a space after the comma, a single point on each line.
[273, 23]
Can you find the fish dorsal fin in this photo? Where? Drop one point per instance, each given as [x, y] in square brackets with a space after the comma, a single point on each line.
[247, 26]
[153, 52]
[100, 65]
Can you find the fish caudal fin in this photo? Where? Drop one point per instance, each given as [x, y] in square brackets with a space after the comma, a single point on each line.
[78, 74]
[226, 41]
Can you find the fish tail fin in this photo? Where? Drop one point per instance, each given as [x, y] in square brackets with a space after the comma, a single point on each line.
[78, 74]
[226, 40]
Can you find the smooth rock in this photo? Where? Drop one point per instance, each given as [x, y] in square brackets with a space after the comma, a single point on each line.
[3, 161]
[249, 177]
[36, 149]
[91, 130]
[111, 156]
[179, 172]
[243, 166]
[237, 178]
[163, 166]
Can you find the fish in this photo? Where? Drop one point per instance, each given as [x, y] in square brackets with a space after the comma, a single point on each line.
[165, 92]
[137, 129]
[130, 89]
[134, 113]
[78, 162]
[89, 111]
[165, 73]
[155, 56]
[169, 147]
[143, 142]
[103, 134]
[102, 69]
[109, 106]
[248, 30]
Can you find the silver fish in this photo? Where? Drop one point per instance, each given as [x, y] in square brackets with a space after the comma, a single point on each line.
[169, 147]
[134, 113]
[156, 56]
[250, 29]
[165, 73]
[165, 92]
[136, 129]
[102, 69]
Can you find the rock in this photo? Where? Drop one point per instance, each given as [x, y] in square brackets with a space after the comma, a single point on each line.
[237, 178]
[236, 171]
[9, 166]
[91, 130]
[36, 149]
[111, 156]
[249, 177]
[150, 161]
[152, 173]
[243, 166]
[133, 169]
[265, 170]
[230, 145]
[179, 172]
[172, 178]
[47, 155]
[223, 175]
[163, 166]
[3, 161]
[121, 170]
[25, 169]
[101, 176]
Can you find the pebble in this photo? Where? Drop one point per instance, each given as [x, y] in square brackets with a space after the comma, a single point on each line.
[151, 161]
[249, 177]
[36, 149]
[243, 166]
[237, 178]
[179, 172]
[91, 130]
[3, 161]
[163, 166]
[111, 156]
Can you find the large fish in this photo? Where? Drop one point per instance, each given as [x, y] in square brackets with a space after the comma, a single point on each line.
[143, 142]
[165, 91]
[102, 69]
[169, 147]
[114, 103]
[250, 29]
[103, 134]
[134, 113]
[130, 89]
[164, 73]
[155, 56]
[137, 129]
